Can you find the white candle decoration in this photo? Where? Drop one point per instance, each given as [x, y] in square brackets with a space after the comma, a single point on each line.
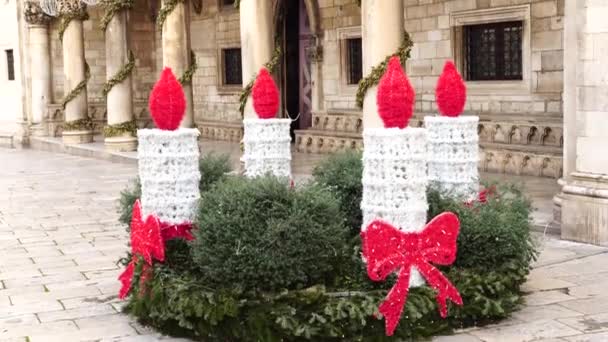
[453, 155]
[169, 173]
[267, 147]
[395, 180]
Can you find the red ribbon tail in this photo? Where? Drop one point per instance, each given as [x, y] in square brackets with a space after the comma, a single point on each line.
[445, 289]
[392, 306]
[126, 278]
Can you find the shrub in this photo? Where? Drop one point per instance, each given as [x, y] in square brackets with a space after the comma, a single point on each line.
[275, 264]
[213, 167]
[491, 233]
[261, 235]
[341, 173]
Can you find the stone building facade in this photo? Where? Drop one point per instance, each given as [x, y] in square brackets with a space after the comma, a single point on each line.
[537, 87]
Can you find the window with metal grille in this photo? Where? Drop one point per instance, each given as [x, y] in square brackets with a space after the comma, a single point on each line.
[354, 58]
[232, 66]
[10, 64]
[493, 51]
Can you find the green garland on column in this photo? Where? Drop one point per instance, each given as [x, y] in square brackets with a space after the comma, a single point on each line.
[79, 88]
[120, 76]
[168, 7]
[129, 127]
[271, 66]
[187, 76]
[376, 74]
[79, 13]
[111, 8]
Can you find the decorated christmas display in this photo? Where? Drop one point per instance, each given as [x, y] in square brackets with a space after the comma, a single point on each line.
[453, 139]
[266, 140]
[168, 161]
[394, 204]
[365, 251]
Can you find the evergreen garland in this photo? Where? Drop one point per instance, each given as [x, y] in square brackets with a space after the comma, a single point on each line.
[120, 129]
[168, 7]
[78, 13]
[271, 66]
[79, 88]
[187, 76]
[376, 74]
[84, 124]
[120, 76]
[111, 8]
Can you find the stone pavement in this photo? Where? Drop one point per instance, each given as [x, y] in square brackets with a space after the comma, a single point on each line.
[60, 240]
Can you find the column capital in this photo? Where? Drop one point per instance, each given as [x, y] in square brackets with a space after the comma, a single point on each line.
[34, 15]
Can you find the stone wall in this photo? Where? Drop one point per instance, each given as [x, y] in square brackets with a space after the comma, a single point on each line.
[434, 30]
[215, 28]
[10, 91]
[340, 19]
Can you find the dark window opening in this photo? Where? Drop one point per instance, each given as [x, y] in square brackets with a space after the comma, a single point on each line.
[232, 66]
[354, 56]
[227, 3]
[493, 51]
[10, 63]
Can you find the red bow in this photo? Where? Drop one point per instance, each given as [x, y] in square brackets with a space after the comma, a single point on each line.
[176, 231]
[147, 243]
[386, 250]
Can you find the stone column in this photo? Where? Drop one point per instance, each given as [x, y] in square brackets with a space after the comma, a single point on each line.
[584, 197]
[176, 52]
[40, 66]
[74, 69]
[256, 41]
[120, 97]
[382, 32]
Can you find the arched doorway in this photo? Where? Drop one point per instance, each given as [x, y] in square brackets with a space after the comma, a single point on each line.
[296, 36]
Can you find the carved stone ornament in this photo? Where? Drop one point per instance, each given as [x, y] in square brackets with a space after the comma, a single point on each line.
[74, 8]
[34, 14]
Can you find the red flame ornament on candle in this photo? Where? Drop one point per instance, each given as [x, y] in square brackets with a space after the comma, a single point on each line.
[395, 97]
[265, 95]
[451, 92]
[167, 102]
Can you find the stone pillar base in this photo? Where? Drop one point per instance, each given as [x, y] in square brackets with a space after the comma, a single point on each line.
[77, 137]
[39, 130]
[584, 209]
[121, 144]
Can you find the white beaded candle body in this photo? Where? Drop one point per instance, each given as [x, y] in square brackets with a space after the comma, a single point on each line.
[169, 157]
[453, 140]
[267, 140]
[453, 155]
[267, 147]
[169, 174]
[394, 161]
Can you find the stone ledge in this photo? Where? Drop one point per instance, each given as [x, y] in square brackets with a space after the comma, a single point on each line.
[6, 140]
[92, 150]
[224, 131]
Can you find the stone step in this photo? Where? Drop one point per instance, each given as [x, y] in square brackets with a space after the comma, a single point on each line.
[6, 140]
